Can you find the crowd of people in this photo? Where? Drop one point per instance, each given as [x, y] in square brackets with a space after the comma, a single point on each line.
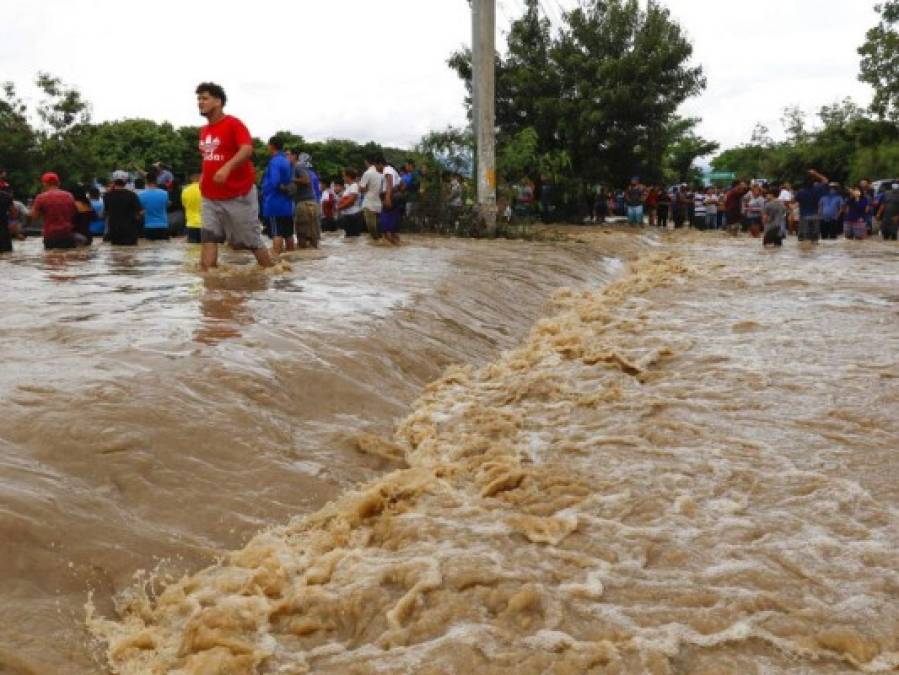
[820, 209]
[220, 203]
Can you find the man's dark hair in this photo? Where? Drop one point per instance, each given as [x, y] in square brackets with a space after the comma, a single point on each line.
[372, 158]
[78, 191]
[276, 142]
[119, 182]
[410, 162]
[351, 173]
[152, 176]
[212, 89]
[139, 183]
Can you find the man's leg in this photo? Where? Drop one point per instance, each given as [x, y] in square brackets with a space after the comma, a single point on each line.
[246, 230]
[209, 254]
[277, 237]
[263, 257]
[371, 222]
[211, 234]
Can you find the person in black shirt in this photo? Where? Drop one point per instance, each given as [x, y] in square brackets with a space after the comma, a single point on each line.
[5, 206]
[122, 215]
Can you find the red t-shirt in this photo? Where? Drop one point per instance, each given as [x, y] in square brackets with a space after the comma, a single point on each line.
[57, 208]
[328, 204]
[219, 142]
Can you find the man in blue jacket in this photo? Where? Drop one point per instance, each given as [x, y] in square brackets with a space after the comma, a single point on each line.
[277, 199]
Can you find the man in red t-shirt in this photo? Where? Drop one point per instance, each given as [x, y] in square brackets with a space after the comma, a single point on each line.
[57, 208]
[733, 205]
[230, 210]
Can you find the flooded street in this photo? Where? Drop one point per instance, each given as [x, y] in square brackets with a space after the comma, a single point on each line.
[614, 454]
[151, 416]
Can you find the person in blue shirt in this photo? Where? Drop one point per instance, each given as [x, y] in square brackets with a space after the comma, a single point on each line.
[164, 177]
[98, 224]
[154, 202]
[277, 199]
[829, 208]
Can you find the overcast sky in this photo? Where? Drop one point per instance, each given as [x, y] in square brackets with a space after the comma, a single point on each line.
[363, 70]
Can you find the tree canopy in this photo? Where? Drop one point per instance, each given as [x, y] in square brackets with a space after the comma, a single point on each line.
[846, 145]
[59, 135]
[600, 96]
[880, 61]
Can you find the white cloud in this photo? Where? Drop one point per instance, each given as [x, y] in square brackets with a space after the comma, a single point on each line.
[378, 70]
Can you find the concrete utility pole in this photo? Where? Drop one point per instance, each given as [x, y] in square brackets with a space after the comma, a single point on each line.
[483, 75]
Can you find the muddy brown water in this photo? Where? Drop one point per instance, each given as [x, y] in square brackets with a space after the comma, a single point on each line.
[431, 460]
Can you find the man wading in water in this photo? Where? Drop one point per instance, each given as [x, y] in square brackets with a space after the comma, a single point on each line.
[230, 209]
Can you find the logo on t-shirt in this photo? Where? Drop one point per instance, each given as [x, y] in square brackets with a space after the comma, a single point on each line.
[208, 146]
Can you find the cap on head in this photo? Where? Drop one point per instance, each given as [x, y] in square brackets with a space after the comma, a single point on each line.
[50, 178]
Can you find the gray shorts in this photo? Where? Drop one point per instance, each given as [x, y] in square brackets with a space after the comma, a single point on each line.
[233, 220]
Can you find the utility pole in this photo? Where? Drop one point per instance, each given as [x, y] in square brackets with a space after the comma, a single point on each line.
[483, 97]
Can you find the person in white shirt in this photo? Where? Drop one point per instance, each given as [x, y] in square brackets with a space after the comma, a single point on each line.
[786, 196]
[328, 207]
[392, 200]
[711, 209]
[699, 209]
[350, 205]
[370, 186]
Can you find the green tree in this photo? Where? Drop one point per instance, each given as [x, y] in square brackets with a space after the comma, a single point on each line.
[526, 94]
[848, 144]
[624, 72]
[450, 150]
[881, 161]
[794, 123]
[600, 95]
[519, 156]
[64, 136]
[189, 159]
[880, 61]
[137, 143]
[18, 141]
[684, 148]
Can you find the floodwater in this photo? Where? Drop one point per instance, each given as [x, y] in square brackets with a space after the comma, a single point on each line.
[685, 461]
[152, 418]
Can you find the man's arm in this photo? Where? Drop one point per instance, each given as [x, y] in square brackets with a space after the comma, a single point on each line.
[820, 176]
[241, 156]
[285, 180]
[302, 178]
